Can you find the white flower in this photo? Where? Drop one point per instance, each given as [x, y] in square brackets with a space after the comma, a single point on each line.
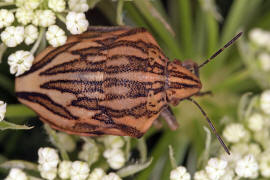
[115, 158]
[10, 1]
[180, 173]
[229, 175]
[263, 137]
[78, 5]
[259, 37]
[254, 149]
[66, 141]
[265, 101]
[3, 107]
[56, 36]
[90, 152]
[16, 174]
[20, 61]
[201, 175]
[215, 168]
[64, 169]
[31, 4]
[76, 22]
[256, 122]
[48, 158]
[113, 141]
[111, 176]
[247, 167]
[235, 132]
[49, 174]
[96, 174]
[57, 5]
[264, 164]
[12, 36]
[264, 59]
[241, 148]
[30, 34]
[6, 18]
[44, 18]
[79, 170]
[24, 16]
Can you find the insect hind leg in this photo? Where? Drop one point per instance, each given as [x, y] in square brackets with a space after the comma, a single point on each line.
[169, 117]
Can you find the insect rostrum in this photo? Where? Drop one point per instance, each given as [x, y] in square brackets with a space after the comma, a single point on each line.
[108, 80]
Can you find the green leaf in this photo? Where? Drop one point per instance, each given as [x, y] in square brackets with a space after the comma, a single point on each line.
[19, 111]
[7, 125]
[134, 168]
[19, 164]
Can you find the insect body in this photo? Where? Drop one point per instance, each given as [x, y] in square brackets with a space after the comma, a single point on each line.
[106, 81]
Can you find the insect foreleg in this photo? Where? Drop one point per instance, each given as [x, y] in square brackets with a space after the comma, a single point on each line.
[169, 117]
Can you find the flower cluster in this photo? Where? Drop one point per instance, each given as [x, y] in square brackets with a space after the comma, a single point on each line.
[50, 167]
[28, 21]
[249, 142]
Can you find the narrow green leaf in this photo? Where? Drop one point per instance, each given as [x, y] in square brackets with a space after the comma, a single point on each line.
[134, 168]
[159, 25]
[19, 111]
[185, 22]
[172, 159]
[142, 149]
[7, 125]
[19, 164]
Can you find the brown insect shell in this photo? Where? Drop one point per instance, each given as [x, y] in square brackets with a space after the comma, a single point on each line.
[108, 80]
[181, 83]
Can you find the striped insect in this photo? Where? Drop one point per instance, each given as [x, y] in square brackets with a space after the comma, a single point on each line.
[109, 80]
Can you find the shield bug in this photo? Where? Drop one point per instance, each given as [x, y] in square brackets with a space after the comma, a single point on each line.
[109, 80]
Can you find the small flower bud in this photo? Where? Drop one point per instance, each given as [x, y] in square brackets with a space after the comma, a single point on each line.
[215, 168]
[3, 107]
[264, 59]
[46, 173]
[115, 158]
[201, 175]
[111, 176]
[64, 169]
[76, 22]
[97, 174]
[12, 36]
[255, 122]
[16, 174]
[24, 16]
[113, 141]
[44, 18]
[6, 18]
[20, 61]
[265, 101]
[57, 5]
[30, 34]
[78, 5]
[56, 36]
[180, 173]
[79, 170]
[247, 167]
[48, 158]
[235, 132]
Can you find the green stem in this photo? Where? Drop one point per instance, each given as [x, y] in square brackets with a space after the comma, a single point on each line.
[3, 48]
[119, 12]
[35, 46]
[172, 159]
[61, 17]
[143, 149]
[2, 4]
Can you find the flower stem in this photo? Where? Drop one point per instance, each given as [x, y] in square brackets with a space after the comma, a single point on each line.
[2, 4]
[119, 13]
[61, 17]
[40, 36]
[172, 159]
[3, 48]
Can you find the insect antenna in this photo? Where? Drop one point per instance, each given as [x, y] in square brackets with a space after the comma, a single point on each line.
[211, 126]
[221, 49]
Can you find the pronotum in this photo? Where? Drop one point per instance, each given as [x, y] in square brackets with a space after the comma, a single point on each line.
[109, 80]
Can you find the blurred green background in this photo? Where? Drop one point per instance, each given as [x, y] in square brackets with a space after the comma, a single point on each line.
[185, 29]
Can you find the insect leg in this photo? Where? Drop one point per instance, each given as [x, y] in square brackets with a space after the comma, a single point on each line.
[204, 93]
[169, 117]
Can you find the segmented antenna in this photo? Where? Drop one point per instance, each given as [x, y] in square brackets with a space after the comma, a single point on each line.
[220, 50]
[211, 126]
